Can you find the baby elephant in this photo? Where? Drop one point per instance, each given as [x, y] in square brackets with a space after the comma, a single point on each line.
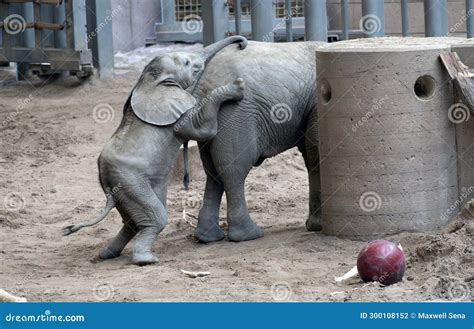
[159, 116]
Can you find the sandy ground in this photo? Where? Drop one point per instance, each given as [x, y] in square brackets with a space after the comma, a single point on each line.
[50, 140]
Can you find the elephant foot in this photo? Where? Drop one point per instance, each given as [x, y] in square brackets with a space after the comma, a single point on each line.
[210, 233]
[244, 231]
[107, 253]
[313, 223]
[144, 258]
[142, 254]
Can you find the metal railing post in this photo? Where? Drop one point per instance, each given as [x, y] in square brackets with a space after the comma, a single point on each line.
[469, 19]
[405, 18]
[29, 34]
[345, 19]
[238, 17]
[60, 18]
[436, 18]
[37, 18]
[288, 21]
[373, 18]
[47, 17]
[315, 20]
[215, 17]
[23, 69]
[262, 12]
[100, 37]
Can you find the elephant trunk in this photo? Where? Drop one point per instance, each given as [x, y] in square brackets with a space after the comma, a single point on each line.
[210, 51]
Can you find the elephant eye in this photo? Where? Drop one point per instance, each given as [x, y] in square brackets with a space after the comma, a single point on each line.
[187, 62]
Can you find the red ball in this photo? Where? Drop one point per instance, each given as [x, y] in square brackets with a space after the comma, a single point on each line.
[382, 261]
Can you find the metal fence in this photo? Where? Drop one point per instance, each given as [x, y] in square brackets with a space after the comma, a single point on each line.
[297, 8]
[46, 37]
[290, 20]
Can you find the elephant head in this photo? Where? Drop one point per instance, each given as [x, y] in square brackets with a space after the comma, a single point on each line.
[163, 93]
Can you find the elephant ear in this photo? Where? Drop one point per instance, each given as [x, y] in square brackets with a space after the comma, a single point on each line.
[160, 104]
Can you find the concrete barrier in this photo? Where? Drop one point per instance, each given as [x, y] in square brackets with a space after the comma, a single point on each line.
[387, 147]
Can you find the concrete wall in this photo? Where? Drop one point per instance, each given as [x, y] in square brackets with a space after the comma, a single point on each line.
[134, 22]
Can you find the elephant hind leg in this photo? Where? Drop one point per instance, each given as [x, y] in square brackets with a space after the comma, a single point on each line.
[116, 246]
[144, 215]
[241, 226]
[150, 216]
[208, 229]
[233, 161]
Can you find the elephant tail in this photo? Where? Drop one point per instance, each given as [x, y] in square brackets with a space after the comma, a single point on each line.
[108, 207]
[186, 166]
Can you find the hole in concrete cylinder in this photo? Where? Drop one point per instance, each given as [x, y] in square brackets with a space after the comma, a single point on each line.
[325, 91]
[425, 87]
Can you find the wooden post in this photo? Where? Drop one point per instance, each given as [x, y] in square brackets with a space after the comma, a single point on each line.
[462, 79]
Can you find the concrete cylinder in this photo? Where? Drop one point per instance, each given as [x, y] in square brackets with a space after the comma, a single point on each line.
[387, 148]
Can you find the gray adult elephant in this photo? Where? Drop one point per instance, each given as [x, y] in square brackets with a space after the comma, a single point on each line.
[159, 116]
[273, 117]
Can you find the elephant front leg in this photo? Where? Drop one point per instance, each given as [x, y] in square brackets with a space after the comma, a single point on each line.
[208, 229]
[310, 151]
[313, 223]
